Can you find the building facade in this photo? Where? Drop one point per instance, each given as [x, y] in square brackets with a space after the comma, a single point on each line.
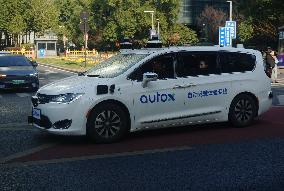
[191, 9]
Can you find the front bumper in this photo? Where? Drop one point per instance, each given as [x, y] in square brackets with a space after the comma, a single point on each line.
[265, 102]
[61, 119]
[15, 83]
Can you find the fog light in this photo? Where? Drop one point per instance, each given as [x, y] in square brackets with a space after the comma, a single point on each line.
[270, 96]
[63, 124]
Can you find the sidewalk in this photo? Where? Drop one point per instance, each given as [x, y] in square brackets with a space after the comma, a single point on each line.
[280, 78]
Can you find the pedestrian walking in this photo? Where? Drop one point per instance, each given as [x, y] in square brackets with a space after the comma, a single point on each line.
[270, 62]
[274, 69]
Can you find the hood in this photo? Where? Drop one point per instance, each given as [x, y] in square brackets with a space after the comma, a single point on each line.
[17, 70]
[73, 84]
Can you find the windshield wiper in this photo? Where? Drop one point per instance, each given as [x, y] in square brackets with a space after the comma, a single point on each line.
[81, 74]
[93, 75]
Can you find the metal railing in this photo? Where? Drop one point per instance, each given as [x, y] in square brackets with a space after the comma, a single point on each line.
[93, 56]
[27, 53]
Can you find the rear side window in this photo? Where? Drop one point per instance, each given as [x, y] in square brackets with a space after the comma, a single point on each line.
[197, 63]
[236, 62]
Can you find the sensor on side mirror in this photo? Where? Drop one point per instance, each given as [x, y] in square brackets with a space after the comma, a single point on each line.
[147, 77]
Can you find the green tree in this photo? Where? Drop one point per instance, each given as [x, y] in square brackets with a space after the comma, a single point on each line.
[12, 19]
[264, 17]
[115, 19]
[211, 19]
[246, 30]
[41, 15]
[16, 27]
[69, 19]
[180, 35]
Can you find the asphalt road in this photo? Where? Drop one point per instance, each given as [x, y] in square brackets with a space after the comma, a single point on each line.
[206, 157]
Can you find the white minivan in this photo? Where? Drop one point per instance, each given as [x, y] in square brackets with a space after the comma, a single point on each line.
[154, 88]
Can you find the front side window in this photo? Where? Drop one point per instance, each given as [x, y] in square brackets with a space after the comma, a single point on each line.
[236, 62]
[162, 65]
[197, 63]
[6, 61]
[115, 65]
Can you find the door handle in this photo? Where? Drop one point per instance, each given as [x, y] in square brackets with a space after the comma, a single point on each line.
[177, 86]
[189, 85]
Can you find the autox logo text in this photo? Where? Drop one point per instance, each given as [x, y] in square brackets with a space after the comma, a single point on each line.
[156, 98]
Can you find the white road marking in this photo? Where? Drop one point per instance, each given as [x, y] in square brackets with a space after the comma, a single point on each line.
[23, 94]
[72, 159]
[50, 72]
[24, 153]
[58, 69]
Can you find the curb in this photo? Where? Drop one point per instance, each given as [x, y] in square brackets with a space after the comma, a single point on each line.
[59, 68]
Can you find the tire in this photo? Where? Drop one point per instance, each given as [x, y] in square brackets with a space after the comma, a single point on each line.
[107, 123]
[242, 111]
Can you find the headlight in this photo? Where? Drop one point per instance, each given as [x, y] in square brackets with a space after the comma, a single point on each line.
[65, 98]
[34, 74]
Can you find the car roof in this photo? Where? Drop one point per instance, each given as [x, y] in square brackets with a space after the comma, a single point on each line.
[12, 55]
[184, 48]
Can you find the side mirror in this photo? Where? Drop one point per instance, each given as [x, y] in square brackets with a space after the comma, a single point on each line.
[147, 77]
[34, 63]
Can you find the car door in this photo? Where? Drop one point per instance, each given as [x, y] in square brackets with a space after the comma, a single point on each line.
[205, 87]
[160, 102]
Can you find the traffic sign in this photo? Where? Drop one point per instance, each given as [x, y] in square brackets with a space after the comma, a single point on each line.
[84, 27]
[228, 36]
[225, 38]
[222, 36]
[232, 25]
[84, 15]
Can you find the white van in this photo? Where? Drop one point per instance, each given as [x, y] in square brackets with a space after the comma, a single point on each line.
[154, 88]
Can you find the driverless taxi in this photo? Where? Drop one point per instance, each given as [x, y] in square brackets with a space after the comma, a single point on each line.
[154, 88]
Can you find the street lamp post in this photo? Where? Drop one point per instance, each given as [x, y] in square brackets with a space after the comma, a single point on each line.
[231, 9]
[158, 26]
[152, 14]
[231, 13]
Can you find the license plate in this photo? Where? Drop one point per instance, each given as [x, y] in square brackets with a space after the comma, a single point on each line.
[36, 113]
[18, 81]
[2, 86]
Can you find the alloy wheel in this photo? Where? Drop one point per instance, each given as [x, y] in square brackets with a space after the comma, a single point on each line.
[107, 123]
[243, 110]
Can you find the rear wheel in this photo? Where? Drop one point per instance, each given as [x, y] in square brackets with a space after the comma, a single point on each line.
[243, 110]
[107, 123]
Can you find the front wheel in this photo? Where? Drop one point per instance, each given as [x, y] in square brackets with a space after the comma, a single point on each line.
[107, 123]
[242, 110]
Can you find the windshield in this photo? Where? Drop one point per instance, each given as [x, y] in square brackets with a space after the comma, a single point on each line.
[116, 65]
[7, 61]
